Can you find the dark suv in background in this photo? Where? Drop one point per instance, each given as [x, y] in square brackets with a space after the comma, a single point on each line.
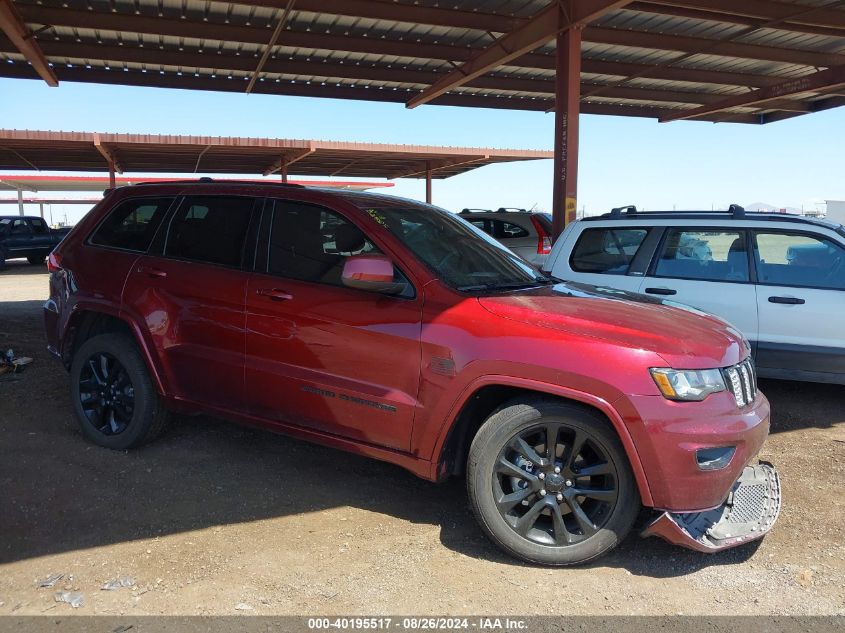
[398, 331]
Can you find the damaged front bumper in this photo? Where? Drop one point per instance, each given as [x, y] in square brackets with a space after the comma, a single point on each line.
[749, 512]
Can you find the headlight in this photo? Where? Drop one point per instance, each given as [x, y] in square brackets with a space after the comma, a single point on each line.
[689, 384]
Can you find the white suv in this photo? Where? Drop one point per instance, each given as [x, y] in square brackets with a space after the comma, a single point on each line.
[780, 279]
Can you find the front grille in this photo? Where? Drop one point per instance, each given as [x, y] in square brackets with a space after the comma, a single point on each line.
[742, 382]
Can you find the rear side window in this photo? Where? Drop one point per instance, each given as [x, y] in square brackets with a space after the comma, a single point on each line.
[508, 230]
[608, 251]
[39, 226]
[311, 243]
[132, 224]
[786, 259]
[713, 255]
[210, 229]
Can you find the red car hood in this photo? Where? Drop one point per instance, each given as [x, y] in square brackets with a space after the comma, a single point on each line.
[684, 337]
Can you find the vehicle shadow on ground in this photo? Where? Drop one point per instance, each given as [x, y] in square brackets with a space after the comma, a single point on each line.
[64, 494]
[789, 401]
[68, 495]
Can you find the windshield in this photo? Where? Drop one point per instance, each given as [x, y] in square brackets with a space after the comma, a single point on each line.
[461, 255]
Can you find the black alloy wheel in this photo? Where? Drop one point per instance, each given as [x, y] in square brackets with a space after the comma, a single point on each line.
[106, 394]
[549, 481]
[554, 484]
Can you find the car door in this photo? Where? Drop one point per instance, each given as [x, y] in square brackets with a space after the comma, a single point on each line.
[708, 269]
[20, 239]
[190, 292]
[801, 303]
[321, 355]
[42, 241]
[607, 256]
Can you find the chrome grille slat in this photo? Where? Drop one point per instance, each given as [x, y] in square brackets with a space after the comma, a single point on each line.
[741, 380]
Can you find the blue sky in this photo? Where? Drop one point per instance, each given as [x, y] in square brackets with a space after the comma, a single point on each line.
[623, 160]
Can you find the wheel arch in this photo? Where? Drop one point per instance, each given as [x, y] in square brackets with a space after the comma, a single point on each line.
[88, 321]
[484, 395]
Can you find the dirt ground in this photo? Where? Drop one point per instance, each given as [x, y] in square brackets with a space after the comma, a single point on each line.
[219, 519]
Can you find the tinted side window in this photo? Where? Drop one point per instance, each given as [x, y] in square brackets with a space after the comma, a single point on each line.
[713, 255]
[311, 243]
[210, 229]
[39, 226]
[607, 251]
[508, 230]
[19, 227]
[799, 260]
[132, 224]
[484, 225]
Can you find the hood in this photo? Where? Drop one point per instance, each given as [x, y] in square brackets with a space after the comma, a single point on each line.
[684, 337]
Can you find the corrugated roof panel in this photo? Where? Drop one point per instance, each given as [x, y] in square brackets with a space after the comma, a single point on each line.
[791, 39]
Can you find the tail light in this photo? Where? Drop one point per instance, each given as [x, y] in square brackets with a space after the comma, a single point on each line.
[544, 239]
[54, 262]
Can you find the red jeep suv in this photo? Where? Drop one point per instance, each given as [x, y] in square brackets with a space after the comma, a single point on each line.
[399, 331]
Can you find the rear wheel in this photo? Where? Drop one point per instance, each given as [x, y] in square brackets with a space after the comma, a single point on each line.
[550, 483]
[114, 399]
[36, 260]
[2, 258]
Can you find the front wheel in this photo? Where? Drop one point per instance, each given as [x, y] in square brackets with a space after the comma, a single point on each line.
[549, 482]
[114, 399]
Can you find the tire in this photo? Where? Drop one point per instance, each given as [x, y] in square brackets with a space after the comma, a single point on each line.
[36, 260]
[495, 471]
[2, 258]
[128, 416]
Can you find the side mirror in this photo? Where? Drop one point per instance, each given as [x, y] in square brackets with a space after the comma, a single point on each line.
[370, 272]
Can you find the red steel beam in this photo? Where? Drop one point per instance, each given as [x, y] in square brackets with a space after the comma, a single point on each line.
[155, 26]
[16, 30]
[288, 159]
[431, 166]
[824, 16]
[108, 153]
[685, 43]
[567, 111]
[714, 16]
[113, 54]
[531, 35]
[831, 78]
[204, 82]
[283, 20]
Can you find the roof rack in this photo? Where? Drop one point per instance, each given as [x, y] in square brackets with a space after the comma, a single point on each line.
[629, 209]
[206, 180]
[476, 210]
[734, 212]
[511, 210]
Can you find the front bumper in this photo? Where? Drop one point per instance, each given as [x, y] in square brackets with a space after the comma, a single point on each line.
[667, 436]
[749, 512]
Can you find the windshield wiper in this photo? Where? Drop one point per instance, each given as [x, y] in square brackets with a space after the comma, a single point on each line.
[509, 285]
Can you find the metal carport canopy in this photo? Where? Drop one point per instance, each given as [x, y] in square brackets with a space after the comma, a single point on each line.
[754, 61]
[39, 150]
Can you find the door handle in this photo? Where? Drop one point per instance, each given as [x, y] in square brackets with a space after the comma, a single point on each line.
[152, 272]
[792, 301]
[274, 294]
[661, 291]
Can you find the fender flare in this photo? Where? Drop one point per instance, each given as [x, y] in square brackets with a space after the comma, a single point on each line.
[553, 390]
[134, 328]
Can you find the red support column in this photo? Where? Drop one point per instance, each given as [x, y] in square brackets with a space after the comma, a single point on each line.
[567, 108]
[284, 170]
[112, 181]
[428, 181]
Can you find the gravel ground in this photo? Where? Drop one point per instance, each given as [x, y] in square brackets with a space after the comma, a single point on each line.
[219, 519]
